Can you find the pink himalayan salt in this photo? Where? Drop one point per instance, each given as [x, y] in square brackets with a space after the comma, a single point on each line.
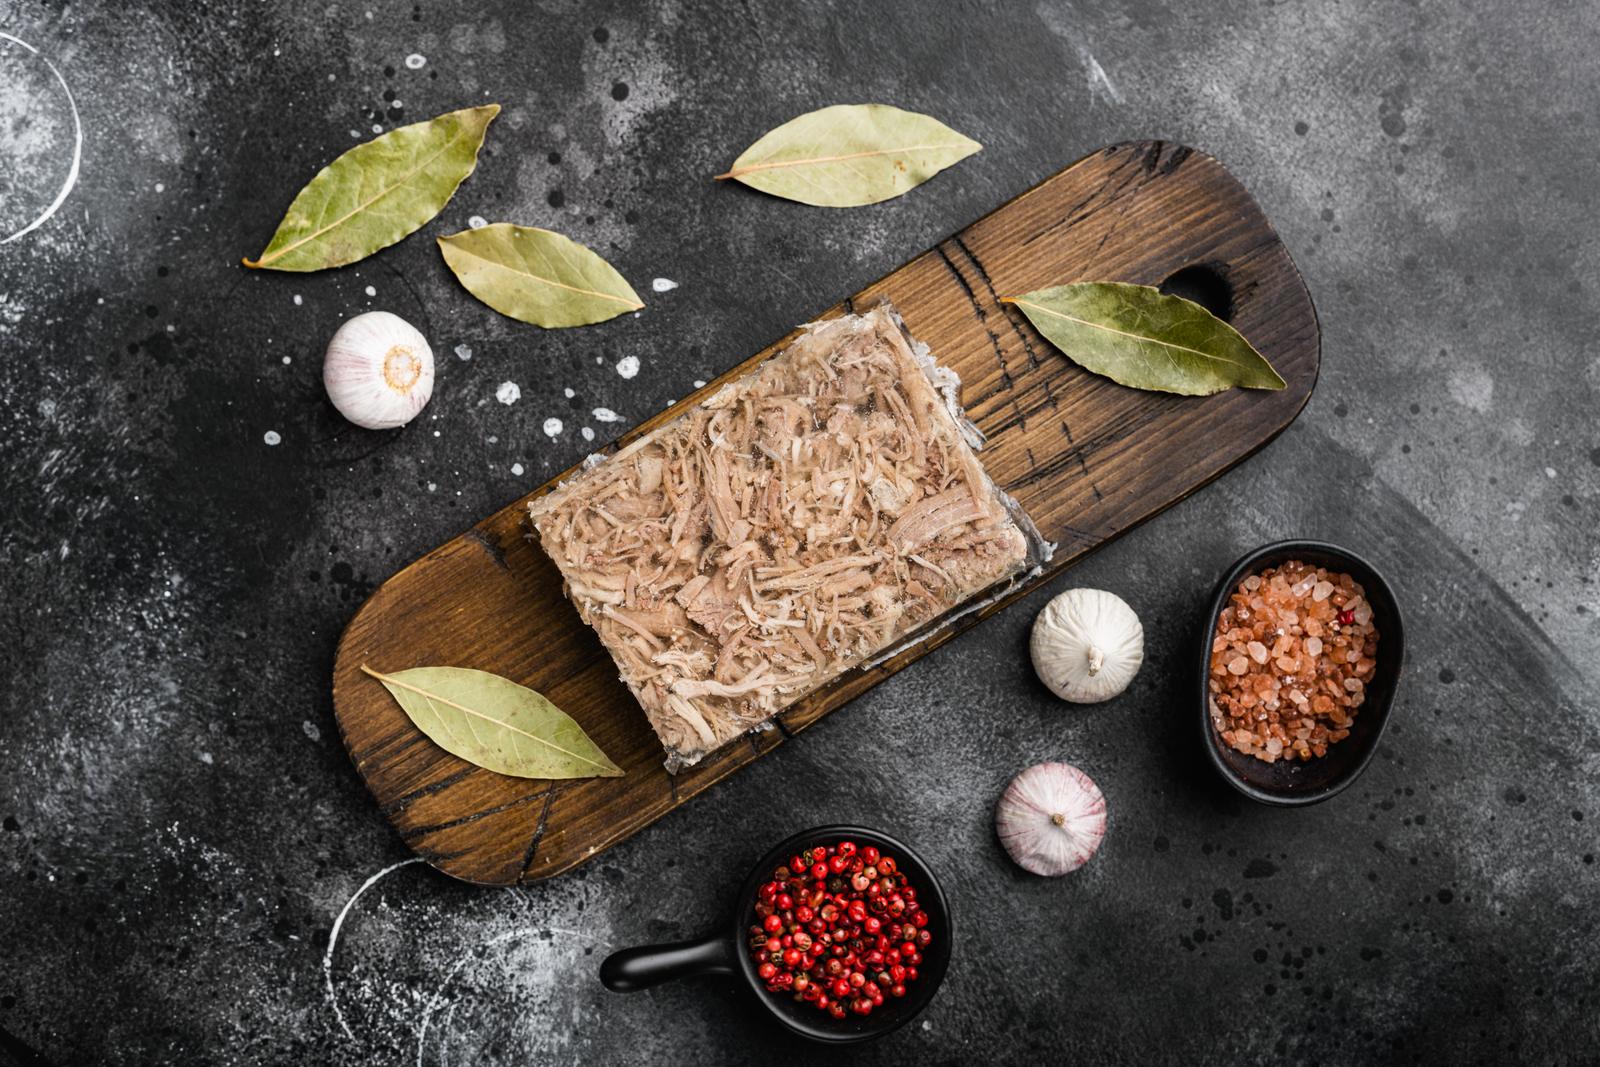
[1295, 698]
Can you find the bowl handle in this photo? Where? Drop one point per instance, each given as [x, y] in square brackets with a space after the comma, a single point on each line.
[634, 969]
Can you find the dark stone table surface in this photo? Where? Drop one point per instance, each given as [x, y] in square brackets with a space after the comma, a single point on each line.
[182, 830]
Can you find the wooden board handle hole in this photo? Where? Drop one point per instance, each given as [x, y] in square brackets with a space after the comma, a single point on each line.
[1206, 285]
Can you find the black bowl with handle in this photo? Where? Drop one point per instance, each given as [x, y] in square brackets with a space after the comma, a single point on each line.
[1294, 783]
[724, 951]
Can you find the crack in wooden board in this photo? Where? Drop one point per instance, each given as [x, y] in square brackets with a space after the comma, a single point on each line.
[1086, 457]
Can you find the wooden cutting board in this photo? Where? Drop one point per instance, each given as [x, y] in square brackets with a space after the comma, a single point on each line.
[1087, 458]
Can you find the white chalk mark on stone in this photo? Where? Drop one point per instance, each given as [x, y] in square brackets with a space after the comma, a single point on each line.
[663, 285]
[1099, 83]
[455, 969]
[1060, 20]
[77, 146]
[333, 939]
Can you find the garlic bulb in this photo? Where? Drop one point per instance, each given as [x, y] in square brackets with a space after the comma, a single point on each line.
[1051, 819]
[1087, 645]
[378, 370]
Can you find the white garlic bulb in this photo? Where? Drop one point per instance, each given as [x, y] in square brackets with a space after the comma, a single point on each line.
[1087, 645]
[1051, 819]
[378, 370]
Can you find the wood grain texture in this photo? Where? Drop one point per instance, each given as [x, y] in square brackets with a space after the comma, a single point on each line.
[1088, 459]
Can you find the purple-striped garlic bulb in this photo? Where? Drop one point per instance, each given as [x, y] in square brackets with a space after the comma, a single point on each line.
[1051, 819]
[378, 370]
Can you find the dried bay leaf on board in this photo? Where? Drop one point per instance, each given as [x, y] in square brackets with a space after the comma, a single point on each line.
[377, 193]
[1144, 338]
[538, 276]
[849, 155]
[495, 723]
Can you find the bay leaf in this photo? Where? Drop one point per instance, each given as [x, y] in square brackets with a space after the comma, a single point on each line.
[538, 276]
[495, 723]
[1144, 338]
[377, 193]
[849, 155]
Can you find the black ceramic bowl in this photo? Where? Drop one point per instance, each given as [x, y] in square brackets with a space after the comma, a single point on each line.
[724, 952]
[1291, 783]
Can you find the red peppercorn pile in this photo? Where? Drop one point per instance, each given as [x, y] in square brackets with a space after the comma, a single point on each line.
[839, 928]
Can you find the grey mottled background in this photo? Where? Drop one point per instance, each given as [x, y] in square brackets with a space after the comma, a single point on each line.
[181, 827]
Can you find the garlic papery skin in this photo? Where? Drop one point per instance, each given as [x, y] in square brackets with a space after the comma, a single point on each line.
[1051, 819]
[378, 370]
[1087, 645]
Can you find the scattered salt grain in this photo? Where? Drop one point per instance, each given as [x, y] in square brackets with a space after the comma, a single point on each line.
[463, 352]
[606, 415]
[508, 393]
[271, 437]
[371, 291]
[477, 222]
[588, 434]
[516, 468]
[628, 366]
[663, 285]
[552, 427]
[416, 61]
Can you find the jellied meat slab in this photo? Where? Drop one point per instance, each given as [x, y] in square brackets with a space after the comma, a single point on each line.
[803, 519]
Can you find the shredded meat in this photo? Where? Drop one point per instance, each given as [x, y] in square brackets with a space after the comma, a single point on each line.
[796, 523]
